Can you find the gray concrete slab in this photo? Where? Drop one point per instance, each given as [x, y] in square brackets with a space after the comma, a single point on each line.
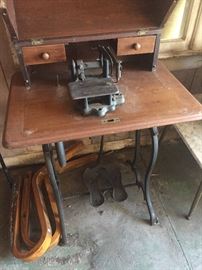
[117, 235]
[176, 186]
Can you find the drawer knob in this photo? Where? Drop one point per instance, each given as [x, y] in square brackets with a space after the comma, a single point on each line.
[45, 56]
[137, 46]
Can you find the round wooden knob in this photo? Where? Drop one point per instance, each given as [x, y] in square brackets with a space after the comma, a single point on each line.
[137, 46]
[45, 56]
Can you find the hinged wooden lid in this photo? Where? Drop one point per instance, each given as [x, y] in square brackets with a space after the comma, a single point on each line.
[49, 19]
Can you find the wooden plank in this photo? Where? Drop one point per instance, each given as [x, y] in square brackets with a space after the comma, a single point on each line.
[65, 18]
[46, 113]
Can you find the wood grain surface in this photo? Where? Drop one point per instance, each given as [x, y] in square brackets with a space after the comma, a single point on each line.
[46, 113]
[34, 55]
[65, 18]
[136, 45]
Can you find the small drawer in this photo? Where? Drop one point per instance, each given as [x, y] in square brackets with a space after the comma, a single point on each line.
[136, 45]
[44, 54]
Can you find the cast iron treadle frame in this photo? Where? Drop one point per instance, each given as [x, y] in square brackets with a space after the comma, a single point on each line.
[145, 185]
[48, 155]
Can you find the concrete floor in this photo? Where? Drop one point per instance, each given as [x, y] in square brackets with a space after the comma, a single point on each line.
[117, 236]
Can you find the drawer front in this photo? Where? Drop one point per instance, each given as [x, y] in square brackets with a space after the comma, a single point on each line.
[136, 45]
[44, 54]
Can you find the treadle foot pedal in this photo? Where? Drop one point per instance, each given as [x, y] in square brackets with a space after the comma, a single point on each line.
[104, 173]
[112, 174]
[90, 177]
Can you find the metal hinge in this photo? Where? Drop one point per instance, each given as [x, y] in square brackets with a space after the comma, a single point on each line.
[141, 33]
[36, 42]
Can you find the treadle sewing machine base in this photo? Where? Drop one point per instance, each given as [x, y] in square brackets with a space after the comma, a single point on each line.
[29, 122]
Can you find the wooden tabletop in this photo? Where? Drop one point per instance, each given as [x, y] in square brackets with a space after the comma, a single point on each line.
[46, 113]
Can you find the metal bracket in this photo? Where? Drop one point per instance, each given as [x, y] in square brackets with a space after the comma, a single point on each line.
[24, 68]
[36, 42]
[9, 25]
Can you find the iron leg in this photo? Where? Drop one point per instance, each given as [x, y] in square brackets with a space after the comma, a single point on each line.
[59, 146]
[154, 154]
[195, 201]
[145, 186]
[135, 159]
[137, 147]
[162, 135]
[53, 179]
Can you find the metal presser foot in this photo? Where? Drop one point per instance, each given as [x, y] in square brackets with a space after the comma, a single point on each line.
[96, 96]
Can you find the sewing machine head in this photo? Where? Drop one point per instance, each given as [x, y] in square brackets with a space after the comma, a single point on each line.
[95, 87]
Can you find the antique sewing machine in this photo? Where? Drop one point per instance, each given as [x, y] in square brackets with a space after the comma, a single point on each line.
[90, 49]
[43, 32]
[97, 93]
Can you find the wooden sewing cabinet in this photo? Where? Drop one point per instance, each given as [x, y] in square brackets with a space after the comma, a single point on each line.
[49, 32]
